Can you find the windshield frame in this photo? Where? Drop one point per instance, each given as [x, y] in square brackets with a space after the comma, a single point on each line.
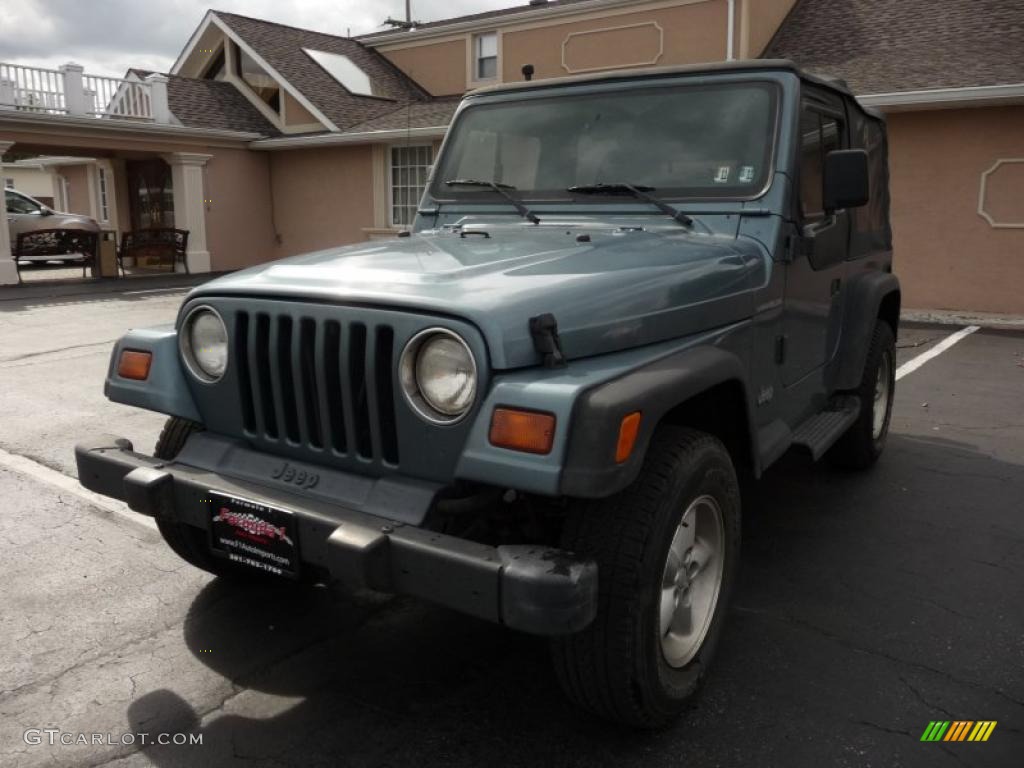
[437, 192]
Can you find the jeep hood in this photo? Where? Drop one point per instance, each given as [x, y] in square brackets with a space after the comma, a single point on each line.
[618, 290]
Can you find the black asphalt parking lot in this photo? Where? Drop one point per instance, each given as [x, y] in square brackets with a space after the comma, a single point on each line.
[868, 605]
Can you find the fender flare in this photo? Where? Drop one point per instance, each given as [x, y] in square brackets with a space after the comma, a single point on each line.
[590, 469]
[165, 390]
[867, 292]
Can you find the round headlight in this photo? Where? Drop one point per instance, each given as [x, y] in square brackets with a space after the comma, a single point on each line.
[439, 375]
[205, 344]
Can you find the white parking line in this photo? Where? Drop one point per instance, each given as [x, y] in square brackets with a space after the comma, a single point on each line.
[114, 510]
[914, 363]
[156, 290]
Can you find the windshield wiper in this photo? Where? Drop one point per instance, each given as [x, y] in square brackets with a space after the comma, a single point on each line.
[500, 189]
[636, 190]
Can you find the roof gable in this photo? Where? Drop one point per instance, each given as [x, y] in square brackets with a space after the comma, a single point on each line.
[891, 46]
[281, 47]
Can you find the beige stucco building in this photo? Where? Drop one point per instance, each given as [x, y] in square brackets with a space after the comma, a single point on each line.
[265, 140]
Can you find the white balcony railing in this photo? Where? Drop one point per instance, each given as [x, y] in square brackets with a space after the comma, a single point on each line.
[32, 89]
[69, 91]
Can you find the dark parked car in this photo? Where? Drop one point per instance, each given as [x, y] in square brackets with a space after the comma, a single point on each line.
[624, 294]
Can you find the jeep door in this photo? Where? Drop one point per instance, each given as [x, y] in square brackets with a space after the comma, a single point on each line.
[815, 271]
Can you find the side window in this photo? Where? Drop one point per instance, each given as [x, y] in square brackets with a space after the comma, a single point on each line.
[831, 135]
[810, 164]
[18, 204]
[820, 133]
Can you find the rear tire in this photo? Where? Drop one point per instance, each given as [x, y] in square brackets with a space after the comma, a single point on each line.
[625, 666]
[862, 444]
[189, 543]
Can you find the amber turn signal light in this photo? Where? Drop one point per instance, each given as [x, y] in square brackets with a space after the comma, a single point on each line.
[134, 365]
[628, 431]
[527, 431]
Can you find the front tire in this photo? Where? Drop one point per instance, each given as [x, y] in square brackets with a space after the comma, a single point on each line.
[864, 441]
[190, 543]
[667, 549]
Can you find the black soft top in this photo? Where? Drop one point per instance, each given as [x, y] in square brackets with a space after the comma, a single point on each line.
[746, 65]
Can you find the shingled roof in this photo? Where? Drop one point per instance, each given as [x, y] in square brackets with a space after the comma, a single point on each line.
[890, 46]
[211, 104]
[281, 46]
[428, 114]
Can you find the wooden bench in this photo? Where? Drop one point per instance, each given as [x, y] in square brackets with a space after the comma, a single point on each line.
[58, 243]
[165, 244]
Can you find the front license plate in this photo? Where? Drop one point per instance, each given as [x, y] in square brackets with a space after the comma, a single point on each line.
[254, 534]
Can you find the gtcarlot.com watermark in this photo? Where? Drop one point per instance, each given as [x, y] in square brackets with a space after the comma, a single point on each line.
[55, 736]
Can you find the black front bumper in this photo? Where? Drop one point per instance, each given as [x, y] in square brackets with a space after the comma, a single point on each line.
[531, 588]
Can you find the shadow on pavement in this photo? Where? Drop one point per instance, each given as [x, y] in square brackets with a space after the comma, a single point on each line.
[867, 605]
[15, 298]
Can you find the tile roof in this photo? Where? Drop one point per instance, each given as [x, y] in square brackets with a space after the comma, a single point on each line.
[888, 46]
[212, 104]
[281, 47]
[525, 8]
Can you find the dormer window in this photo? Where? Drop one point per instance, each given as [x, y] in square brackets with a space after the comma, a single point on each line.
[262, 84]
[485, 56]
[216, 68]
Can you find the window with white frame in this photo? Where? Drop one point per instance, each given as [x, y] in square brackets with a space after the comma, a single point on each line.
[101, 182]
[8, 183]
[485, 56]
[410, 166]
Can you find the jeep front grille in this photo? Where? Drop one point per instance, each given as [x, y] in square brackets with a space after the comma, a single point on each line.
[318, 383]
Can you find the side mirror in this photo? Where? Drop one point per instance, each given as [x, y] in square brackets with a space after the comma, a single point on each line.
[44, 211]
[845, 180]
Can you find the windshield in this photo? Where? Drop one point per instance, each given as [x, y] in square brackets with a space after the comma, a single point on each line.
[685, 142]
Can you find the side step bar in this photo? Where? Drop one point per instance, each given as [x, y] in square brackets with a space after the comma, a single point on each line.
[821, 431]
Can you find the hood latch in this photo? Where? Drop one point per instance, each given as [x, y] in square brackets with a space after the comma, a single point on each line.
[544, 331]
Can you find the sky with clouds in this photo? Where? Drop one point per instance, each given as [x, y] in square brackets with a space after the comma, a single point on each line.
[108, 36]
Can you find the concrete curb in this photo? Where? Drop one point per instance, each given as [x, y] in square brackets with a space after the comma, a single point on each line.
[948, 317]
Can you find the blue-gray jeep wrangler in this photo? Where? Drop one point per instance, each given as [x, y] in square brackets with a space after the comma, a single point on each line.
[622, 295]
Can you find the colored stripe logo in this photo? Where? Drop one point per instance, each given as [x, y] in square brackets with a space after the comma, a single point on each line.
[958, 730]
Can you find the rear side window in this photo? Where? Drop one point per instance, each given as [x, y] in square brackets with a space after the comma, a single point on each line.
[872, 220]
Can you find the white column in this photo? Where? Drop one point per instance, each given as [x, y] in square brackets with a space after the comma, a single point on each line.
[8, 269]
[159, 108]
[74, 90]
[189, 208]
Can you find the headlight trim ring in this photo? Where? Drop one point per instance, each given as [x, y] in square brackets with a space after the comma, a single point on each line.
[410, 384]
[187, 352]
